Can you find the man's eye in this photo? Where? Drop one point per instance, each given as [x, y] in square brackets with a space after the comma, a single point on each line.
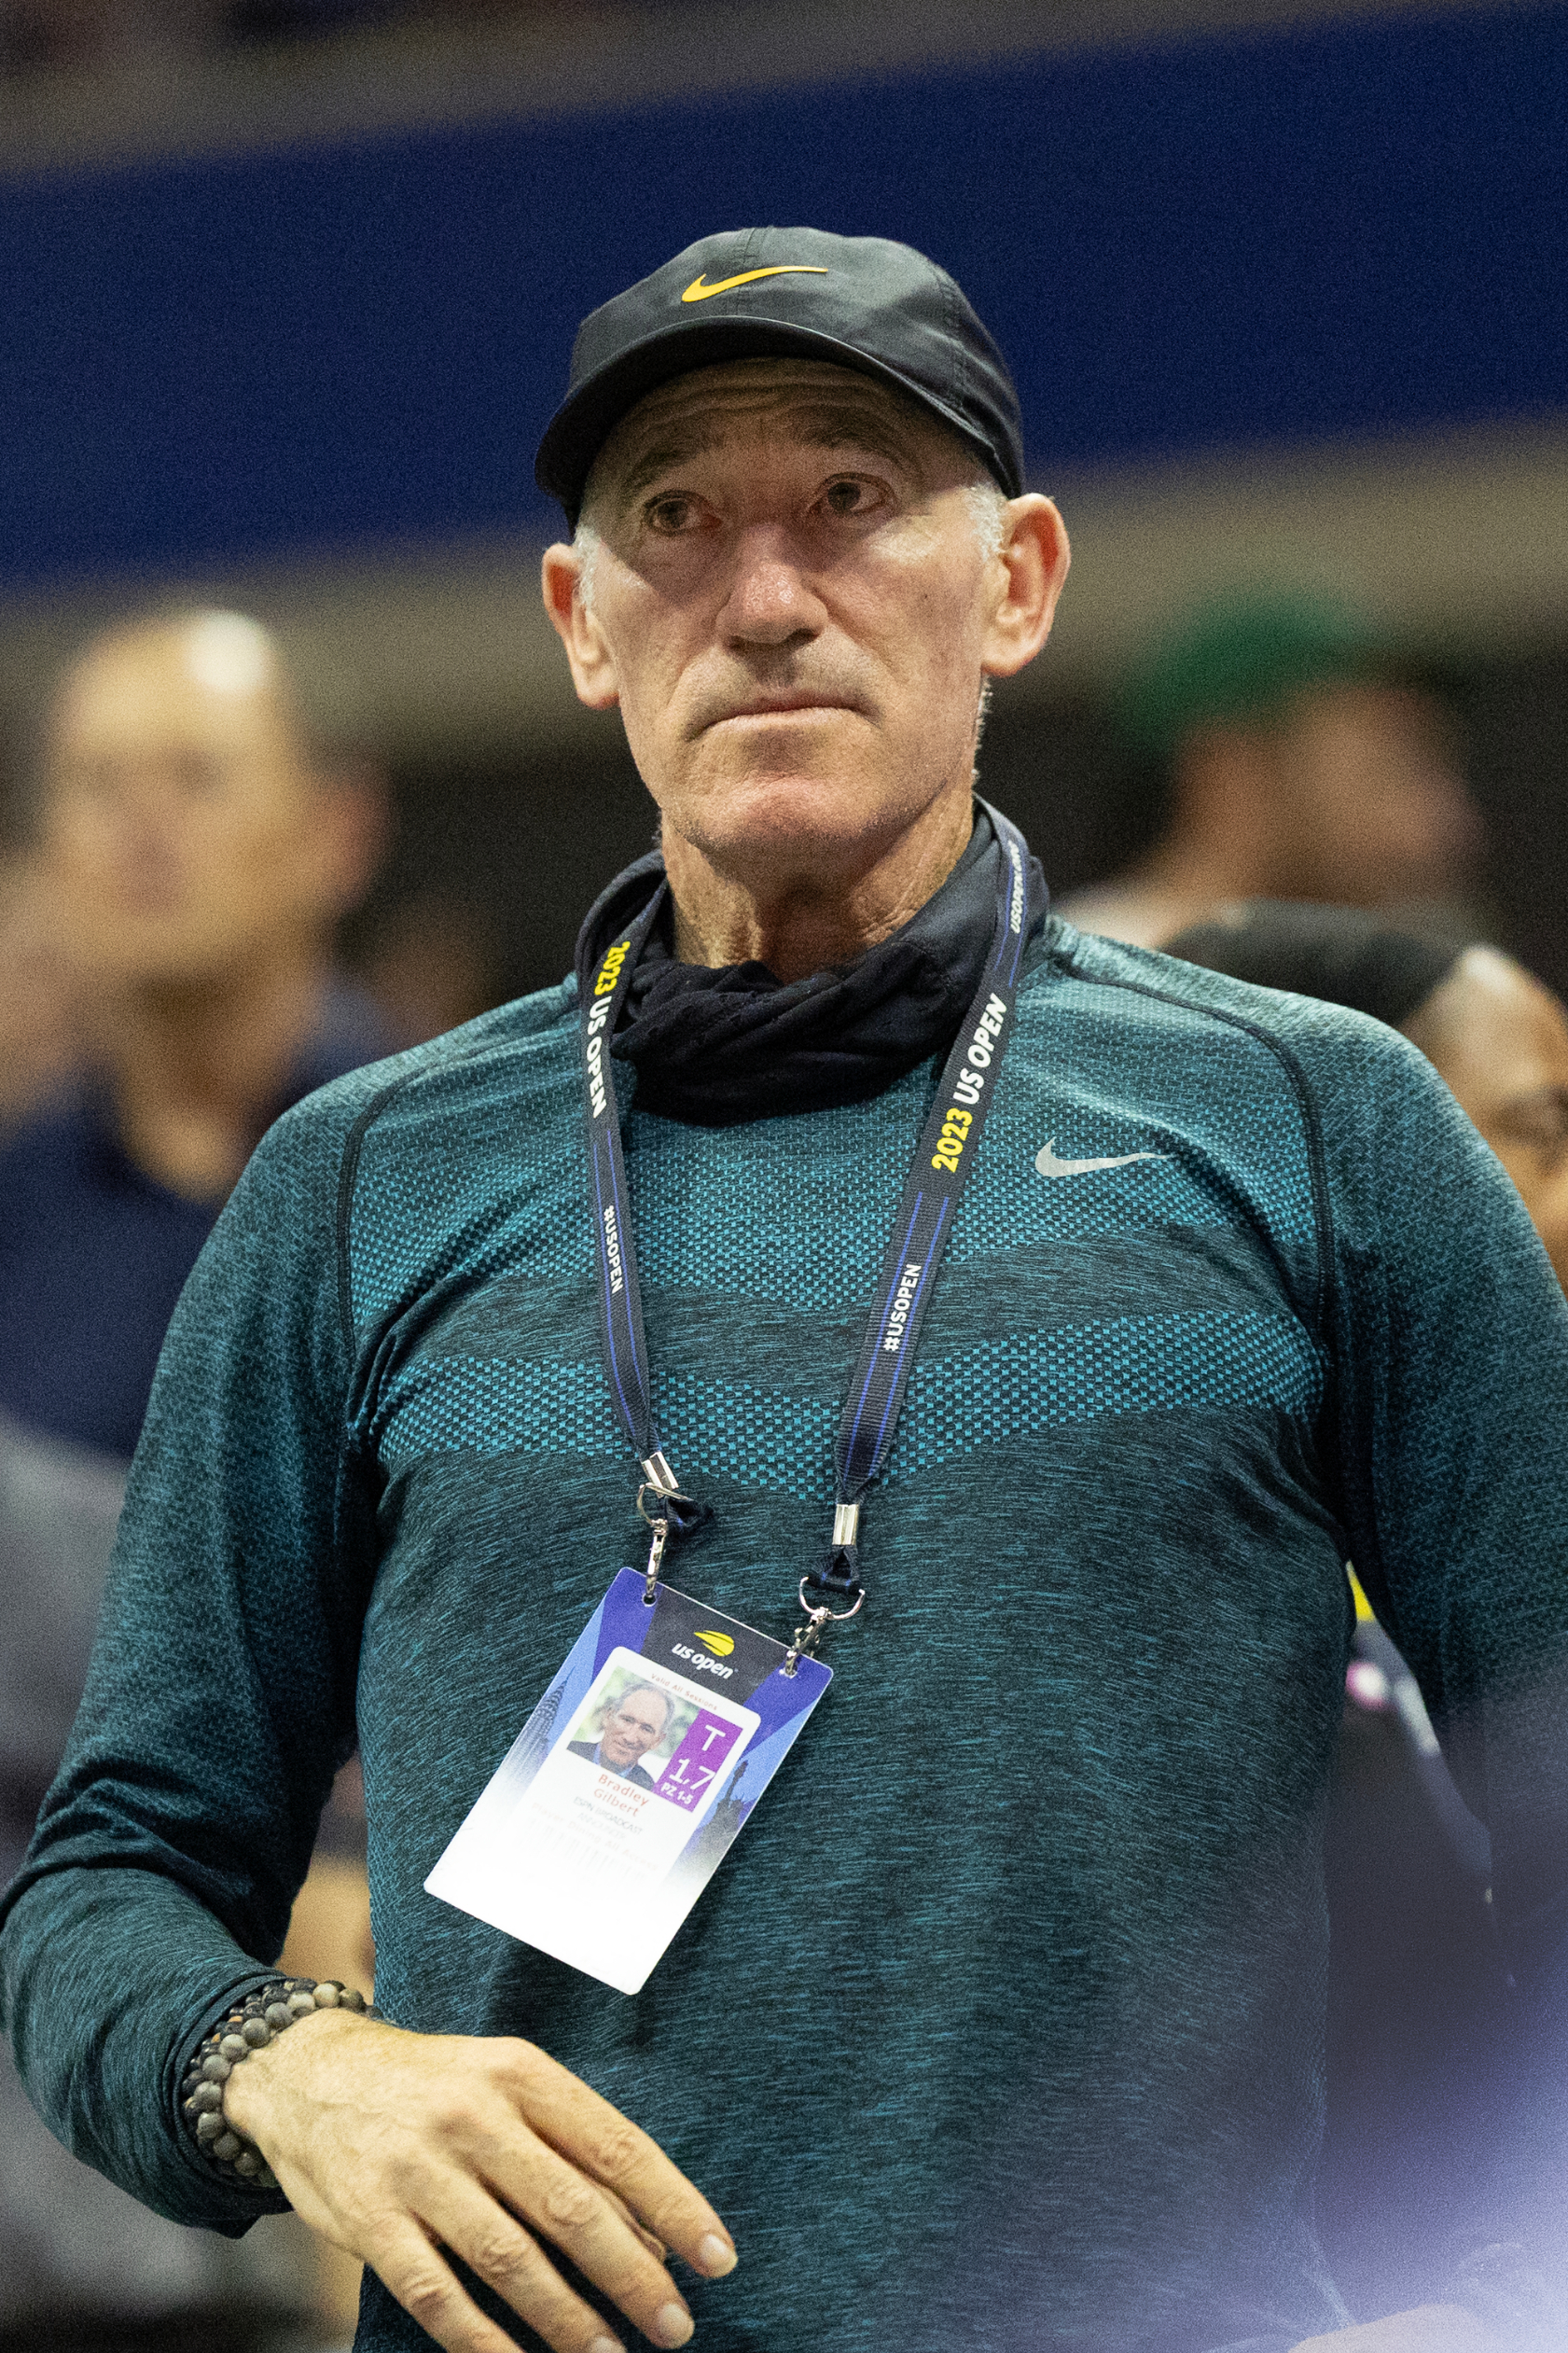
[851, 498]
[1539, 1120]
[668, 515]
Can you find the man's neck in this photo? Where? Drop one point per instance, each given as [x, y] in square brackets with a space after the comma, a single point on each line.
[196, 1067]
[799, 916]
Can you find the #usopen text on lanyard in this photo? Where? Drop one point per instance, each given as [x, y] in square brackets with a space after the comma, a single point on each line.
[621, 1794]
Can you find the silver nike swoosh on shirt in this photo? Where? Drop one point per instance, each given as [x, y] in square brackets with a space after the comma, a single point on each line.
[1047, 1164]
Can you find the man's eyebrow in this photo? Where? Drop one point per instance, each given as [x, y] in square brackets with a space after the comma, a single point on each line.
[658, 460]
[819, 426]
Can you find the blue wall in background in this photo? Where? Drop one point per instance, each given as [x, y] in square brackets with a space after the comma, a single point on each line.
[1358, 228]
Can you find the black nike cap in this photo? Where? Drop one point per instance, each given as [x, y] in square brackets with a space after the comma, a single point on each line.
[862, 302]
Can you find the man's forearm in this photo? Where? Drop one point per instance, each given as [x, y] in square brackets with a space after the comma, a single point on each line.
[106, 1976]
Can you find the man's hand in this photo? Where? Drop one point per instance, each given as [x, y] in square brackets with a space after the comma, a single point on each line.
[399, 2145]
[1432, 2327]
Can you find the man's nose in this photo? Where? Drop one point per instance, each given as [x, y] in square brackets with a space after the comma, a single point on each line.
[771, 603]
[142, 806]
[141, 826]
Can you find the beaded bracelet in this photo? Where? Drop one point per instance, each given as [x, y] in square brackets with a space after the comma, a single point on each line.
[258, 2021]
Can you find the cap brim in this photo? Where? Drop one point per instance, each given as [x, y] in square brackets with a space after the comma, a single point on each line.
[586, 419]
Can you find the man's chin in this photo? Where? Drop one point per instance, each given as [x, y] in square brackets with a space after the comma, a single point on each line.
[151, 954]
[739, 819]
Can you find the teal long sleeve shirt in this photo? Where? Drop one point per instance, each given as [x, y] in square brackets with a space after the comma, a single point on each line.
[1002, 2025]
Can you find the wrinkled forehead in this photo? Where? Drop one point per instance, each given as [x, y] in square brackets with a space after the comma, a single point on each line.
[801, 404]
[646, 1698]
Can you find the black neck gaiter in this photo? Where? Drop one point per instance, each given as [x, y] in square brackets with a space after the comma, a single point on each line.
[715, 1045]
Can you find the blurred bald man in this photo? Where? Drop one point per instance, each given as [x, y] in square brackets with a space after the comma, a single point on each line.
[196, 853]
[194, 849]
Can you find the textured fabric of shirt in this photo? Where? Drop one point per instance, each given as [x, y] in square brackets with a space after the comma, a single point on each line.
[94, 1252]
[1001, 2027]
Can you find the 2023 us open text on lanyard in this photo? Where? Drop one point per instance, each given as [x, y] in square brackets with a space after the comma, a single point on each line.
[942, 1162]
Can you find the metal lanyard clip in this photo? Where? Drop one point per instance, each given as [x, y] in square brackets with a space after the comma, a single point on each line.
[818, 1619]
[674, 1513]
[840, 1574]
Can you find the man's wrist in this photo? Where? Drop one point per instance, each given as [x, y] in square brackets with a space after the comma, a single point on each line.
[212, 2116]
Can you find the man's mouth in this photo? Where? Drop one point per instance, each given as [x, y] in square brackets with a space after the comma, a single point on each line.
[800, 704]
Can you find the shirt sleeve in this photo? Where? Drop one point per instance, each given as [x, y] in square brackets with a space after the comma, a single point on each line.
[220, 1700]
[1448, 1336]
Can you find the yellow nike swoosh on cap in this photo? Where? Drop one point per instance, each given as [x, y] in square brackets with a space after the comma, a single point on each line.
[698, 292]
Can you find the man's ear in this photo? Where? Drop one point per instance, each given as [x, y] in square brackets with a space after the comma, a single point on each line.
[1035, 554]
[593, 670]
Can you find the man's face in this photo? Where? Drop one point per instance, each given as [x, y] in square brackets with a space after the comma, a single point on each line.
[636, 1726]
[1370, 807]
[790, 603]
[182, 831]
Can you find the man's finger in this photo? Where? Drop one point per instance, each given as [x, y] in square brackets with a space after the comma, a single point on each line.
[414, 2271]
[507, 2257]
[599, 2141]
[590, 2225]
[653, 2244]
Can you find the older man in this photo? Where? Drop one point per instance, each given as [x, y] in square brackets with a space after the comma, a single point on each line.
[636, 1724]
[195, 850]
[970, 2043]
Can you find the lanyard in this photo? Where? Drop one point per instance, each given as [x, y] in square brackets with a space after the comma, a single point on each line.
[921, 1231]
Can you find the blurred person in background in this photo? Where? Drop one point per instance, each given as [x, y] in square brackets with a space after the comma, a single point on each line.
[40, 1019]
[1495, 1034]
[1303, 759]
[1419, 2029]
[192, 854]
[195, 855]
